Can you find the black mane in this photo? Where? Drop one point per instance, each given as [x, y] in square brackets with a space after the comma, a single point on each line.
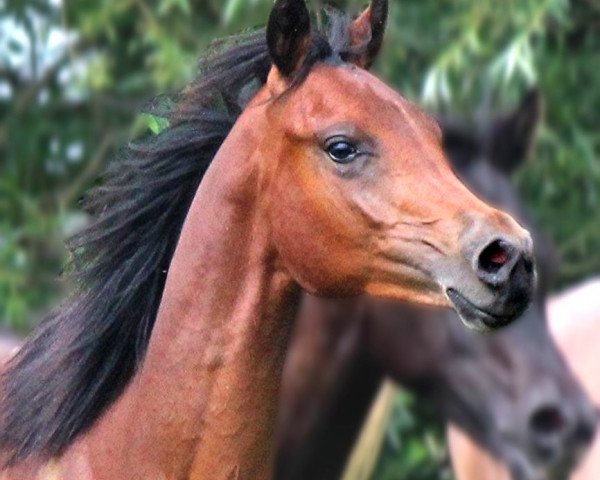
[78, 362]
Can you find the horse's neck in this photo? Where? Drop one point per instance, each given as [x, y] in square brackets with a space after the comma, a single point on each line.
[204, 403]
[321, 415]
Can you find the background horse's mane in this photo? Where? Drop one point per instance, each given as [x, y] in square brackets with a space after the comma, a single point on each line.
[82, 356]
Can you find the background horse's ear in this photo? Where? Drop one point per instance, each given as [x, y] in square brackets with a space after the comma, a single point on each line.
[513, 135]
[288, 35]
[367, 31]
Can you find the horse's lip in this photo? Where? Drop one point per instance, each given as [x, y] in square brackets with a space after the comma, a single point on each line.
[527, 465]
[524, 468]
[474, 316]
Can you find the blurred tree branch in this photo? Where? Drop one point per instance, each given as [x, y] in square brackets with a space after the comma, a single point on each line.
[90, 172]
[24, 98]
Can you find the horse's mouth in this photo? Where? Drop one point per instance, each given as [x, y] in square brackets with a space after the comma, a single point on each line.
[474, 316]
[525, 467]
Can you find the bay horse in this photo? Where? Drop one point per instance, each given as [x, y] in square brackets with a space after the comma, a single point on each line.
[286, 166]
[511, 391]
[574, 317]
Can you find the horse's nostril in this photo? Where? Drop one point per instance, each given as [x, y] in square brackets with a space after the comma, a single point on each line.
[584, 433]
[494, 257]
[547, 420]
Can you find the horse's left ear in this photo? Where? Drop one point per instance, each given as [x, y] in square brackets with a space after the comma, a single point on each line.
[513, 135]
[288, 35]
[366, 33]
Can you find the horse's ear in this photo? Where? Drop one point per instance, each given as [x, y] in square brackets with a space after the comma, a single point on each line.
[367, 31]
[513, 135]
[288, 35]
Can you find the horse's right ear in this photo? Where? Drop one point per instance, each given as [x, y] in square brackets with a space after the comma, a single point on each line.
[288, 35]
[513, 135]
[366, 33]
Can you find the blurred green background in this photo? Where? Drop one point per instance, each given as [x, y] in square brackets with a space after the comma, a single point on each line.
[74, 74]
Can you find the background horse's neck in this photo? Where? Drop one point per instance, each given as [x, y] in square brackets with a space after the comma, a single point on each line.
[330, 380]
[204, 402]
[339, 429]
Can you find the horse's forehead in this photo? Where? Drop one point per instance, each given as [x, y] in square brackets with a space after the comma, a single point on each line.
[347, 87]
[350, 77]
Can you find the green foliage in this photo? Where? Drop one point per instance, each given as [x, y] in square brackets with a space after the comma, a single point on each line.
[73, 76]
[155, 124]
[414, 449]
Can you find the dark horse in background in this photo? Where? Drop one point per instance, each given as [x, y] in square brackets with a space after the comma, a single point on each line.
[574, 319]
[512, 392]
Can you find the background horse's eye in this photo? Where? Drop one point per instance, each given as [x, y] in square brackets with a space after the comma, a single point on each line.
[341, 151]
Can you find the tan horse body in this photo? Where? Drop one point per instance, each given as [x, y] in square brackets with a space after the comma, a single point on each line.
[328, 181]
[574, 318]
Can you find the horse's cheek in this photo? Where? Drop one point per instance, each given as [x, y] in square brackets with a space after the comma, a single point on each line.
[312, 250]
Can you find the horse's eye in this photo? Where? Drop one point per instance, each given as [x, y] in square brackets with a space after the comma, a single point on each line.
[341, 151]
